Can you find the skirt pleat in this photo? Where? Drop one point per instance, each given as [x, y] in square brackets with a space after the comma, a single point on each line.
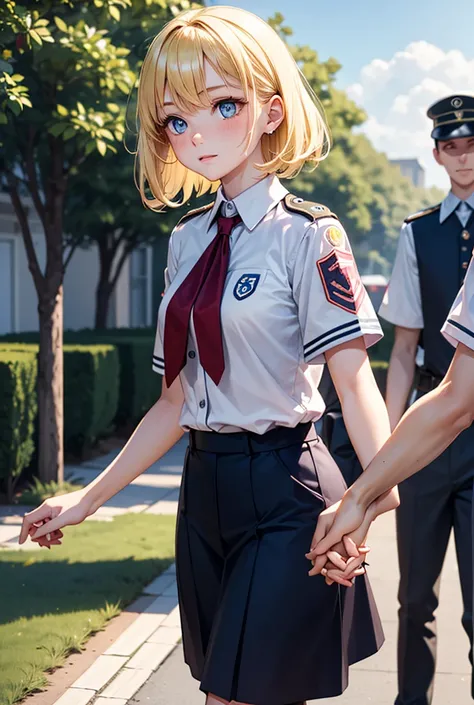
[256, 628]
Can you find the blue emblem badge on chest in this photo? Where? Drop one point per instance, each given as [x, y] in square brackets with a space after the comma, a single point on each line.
[246, 286]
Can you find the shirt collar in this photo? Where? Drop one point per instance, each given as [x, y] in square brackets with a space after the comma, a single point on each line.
[450, 204]
[255, 202]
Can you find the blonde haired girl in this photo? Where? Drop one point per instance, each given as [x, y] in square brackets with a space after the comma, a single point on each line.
[261, 290]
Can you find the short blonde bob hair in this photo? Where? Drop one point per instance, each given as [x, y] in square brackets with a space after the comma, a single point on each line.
[239, 45]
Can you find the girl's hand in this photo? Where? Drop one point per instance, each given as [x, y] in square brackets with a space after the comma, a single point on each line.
[336, 524]
[44, 524]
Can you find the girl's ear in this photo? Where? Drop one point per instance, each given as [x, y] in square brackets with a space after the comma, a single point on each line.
[275, 113]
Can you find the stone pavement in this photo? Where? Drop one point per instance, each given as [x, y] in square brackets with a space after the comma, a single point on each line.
[145, 667]
[155, 492]
[372, 682]
[122, 669]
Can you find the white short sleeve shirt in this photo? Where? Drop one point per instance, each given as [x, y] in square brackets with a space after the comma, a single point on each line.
[286, 302]
[459, 326]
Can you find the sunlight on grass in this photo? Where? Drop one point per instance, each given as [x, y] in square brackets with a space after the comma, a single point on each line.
[53, 601]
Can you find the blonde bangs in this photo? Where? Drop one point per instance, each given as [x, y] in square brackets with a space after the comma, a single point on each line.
[258, 61]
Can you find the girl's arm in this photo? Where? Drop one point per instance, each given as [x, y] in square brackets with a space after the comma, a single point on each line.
[156, 433]
[426, 429]
[364, 411]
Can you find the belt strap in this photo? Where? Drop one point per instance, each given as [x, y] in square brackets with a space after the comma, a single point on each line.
[250, 443]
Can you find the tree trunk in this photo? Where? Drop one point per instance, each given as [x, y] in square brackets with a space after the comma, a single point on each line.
[50, 388]
[102, 301]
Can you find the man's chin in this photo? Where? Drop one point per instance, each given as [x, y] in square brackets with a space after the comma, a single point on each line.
[466, 183]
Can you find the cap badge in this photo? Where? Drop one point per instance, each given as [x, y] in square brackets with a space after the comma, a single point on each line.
[456, 102]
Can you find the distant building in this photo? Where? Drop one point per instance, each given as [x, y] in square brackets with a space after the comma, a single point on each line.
[132, 303]
[412, 169]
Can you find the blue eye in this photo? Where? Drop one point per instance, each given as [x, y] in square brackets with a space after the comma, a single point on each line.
[177, 125]
[228, 108]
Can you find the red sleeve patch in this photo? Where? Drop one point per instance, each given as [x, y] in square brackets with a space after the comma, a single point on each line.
[341, 280]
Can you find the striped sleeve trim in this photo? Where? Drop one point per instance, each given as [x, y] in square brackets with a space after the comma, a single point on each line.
[158, 364]
[463, 328]
[345, 330]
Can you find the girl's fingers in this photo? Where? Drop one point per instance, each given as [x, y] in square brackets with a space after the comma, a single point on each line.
[41, 514]
[338, 578]
[350, 546]
[337, 559]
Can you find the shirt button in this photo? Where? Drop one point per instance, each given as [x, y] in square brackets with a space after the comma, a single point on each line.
[464, 265]
[202, 403]
[465, 235]
[463, 249]
[191, 354]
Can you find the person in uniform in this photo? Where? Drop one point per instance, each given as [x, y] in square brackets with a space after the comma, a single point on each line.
[261, 291]
[425, 431]
[434, 252]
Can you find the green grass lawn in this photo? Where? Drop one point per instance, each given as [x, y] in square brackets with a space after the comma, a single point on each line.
[52, 601]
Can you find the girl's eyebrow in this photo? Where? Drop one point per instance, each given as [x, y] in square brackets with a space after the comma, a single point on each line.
[211, 88]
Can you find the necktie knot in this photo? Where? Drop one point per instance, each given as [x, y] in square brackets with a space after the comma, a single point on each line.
[225, 225]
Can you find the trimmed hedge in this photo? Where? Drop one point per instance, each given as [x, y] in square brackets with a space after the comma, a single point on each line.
[18, 409]
[91, 394]
[139, 386]
[91, 374]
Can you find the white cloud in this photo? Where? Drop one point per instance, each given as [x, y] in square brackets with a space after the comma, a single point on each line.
[396, 94]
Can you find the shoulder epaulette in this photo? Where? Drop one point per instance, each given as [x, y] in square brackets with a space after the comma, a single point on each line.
[311, 210]
[194, 212]
[420, 214]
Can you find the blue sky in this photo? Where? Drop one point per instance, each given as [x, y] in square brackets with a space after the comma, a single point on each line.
[397, 59]
[356, 32]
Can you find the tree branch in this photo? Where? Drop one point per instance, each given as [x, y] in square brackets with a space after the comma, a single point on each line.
[32, 182]
[20, 212]
[123, 257]
[70, 254]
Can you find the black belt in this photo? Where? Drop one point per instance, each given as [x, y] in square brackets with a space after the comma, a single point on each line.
[426, 381]
[250, 443]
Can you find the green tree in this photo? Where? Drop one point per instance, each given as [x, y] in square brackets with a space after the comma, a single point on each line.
[65, 74]
[115, 220]
[356, 181]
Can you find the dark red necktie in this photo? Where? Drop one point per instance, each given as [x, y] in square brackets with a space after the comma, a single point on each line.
[202, 289]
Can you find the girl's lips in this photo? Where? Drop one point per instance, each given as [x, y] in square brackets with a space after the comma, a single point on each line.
[207, 157]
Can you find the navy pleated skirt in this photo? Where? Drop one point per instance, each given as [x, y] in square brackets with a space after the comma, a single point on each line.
[256, 628]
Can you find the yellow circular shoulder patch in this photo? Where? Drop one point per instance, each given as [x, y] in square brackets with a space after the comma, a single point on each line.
[334, 236]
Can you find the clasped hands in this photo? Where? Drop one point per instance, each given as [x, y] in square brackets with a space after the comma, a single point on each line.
[338, 549]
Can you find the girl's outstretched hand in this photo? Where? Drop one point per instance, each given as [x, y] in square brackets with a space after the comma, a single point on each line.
[44, 524]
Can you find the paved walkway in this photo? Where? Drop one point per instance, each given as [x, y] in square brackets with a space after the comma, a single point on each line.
[155, 492]
[145, 665]
[372, 682]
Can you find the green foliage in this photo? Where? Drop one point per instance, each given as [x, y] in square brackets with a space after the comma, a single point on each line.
[139, 387]
[359, 184]
[53, 601]
[38, 491]
[91, 389]
[18, 408]
[91, 375]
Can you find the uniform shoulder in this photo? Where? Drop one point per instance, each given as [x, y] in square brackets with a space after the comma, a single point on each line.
[423, 213]
[309, 209]
[194, 213]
